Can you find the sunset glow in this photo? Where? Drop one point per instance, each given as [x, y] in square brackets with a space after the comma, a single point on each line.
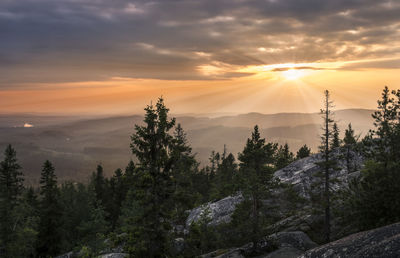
[113, 57]
[293, 74]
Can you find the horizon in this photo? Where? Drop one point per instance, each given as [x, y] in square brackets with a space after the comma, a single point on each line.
[172, 114]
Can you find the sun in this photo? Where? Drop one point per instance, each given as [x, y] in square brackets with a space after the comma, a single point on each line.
[293, 74]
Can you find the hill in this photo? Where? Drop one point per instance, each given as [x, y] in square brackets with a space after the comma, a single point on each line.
[76, 144]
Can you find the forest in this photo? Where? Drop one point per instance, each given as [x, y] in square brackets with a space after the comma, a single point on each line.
[143, 207]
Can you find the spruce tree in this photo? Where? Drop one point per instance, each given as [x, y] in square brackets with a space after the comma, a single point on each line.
[374, 200]
[99, 183]
[303, 152]
[335, 142]
[185, 166]
[224, 176]
[226, 173]
[49, 237]
[118, 194]
[214, 163]
[75, 202]
[256, 180]
[11, 186]
[25, 226]
[385, 117]
[349, 141]
[283, 157]
[151, 196]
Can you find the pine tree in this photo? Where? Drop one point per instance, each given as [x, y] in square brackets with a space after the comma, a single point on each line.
[214, 161]
[328, 162]
[75, 202]
[49, 238]
[374, 200]
[227, 172]
[385, 117]
[152, 194]
[283, 157]
[256, 177]
[303, 152]
[349, 143]
[118, 194]
[25, 226]
[99, 183]
[11, 186]
[224, 176]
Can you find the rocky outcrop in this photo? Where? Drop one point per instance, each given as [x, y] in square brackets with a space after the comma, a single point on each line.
[302, 221]
[301, 173]
[219, 211]
[289, 244]
[380, 242]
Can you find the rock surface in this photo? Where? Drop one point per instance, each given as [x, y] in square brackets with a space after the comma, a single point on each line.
[291, 244]
[300, 174]
[284, 252]
[296, 239]
[380, 242]
[220, 211]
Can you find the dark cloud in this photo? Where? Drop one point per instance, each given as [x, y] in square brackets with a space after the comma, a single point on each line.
[68, 40]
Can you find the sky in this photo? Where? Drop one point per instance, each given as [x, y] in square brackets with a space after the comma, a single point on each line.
[202, 56]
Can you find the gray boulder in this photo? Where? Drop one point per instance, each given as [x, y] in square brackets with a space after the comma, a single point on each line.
[301, 173]
[380, 242]
[220, 211]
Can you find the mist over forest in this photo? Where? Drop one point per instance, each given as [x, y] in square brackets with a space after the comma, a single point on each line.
[77, 144]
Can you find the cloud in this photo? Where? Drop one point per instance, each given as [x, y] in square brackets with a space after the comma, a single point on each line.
[282, 69]
[373, 64]
[68, 40]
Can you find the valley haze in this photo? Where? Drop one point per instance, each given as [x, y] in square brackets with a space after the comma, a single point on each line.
[76, 144]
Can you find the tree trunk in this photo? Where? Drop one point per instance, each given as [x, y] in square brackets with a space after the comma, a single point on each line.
[327, 197]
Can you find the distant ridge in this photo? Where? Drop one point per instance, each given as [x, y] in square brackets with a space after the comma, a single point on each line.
[77, 144]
